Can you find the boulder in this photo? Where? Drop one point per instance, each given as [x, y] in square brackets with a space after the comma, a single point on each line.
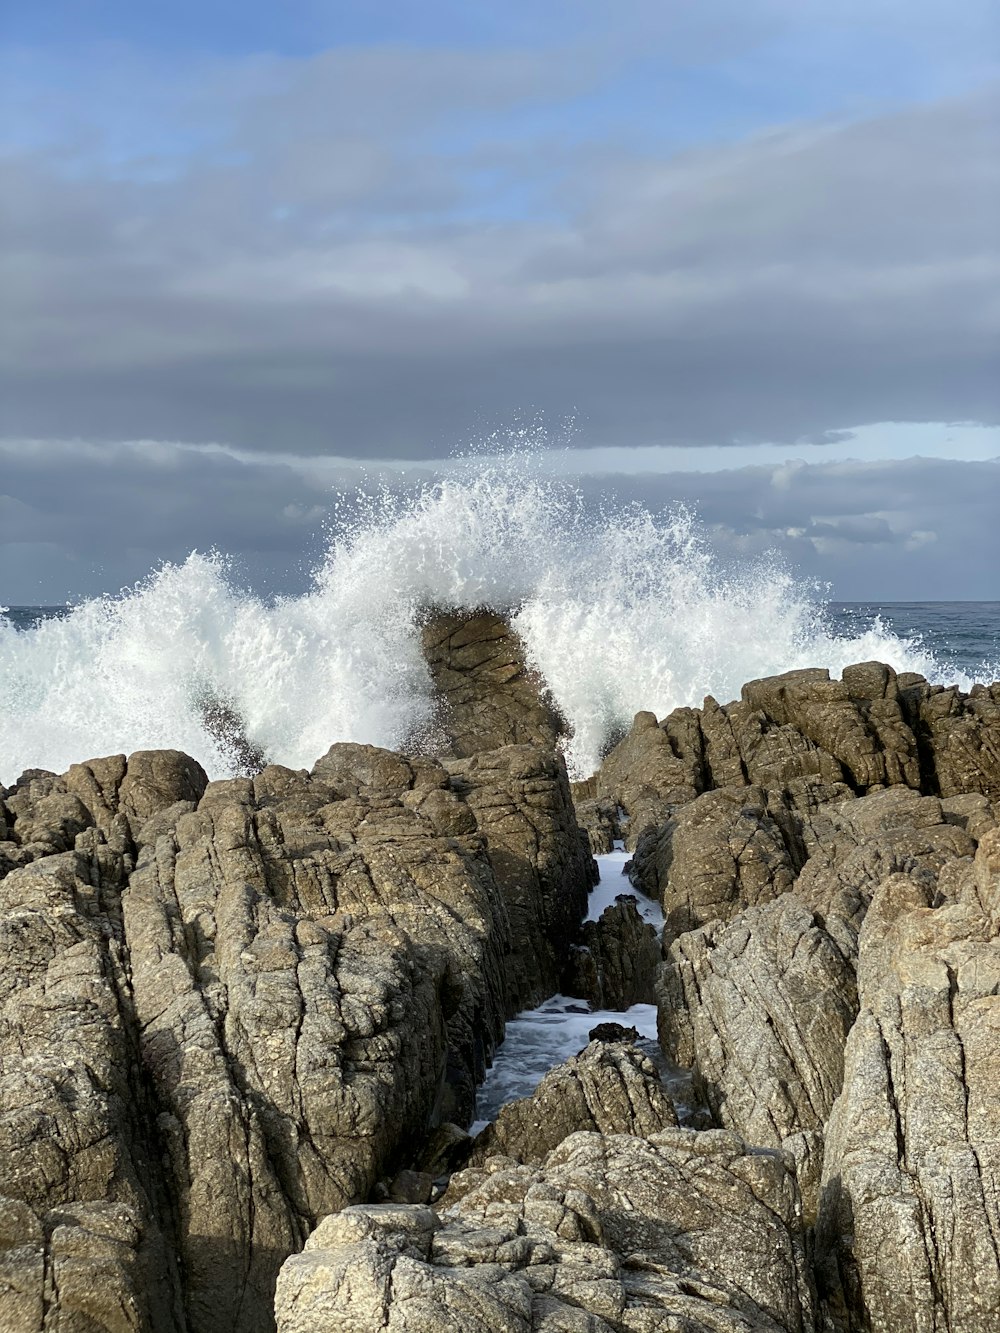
[611, 1087]
[615, 964]
[717, 855]
[679, 1231]
[520, 799]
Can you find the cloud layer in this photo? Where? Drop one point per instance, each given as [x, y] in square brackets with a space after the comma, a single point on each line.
[305, 262]
[912, 529]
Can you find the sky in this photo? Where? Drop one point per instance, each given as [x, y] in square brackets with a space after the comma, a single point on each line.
[743, 255]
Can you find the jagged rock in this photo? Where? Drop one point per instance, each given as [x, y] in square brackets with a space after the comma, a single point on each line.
[715, 856]
[655, 767]
[521, 802]
[959, 736]
[230, 1011]
[683, 1231]
[44, 812]
[870, 838]
[73, 1115]
[76, 1268]
[870, 729]
[489, 696]
[599, 817]
[910, 1219]
[613, 1032]
[615, 964]
[856, 721]
[761, 1008]
[611, 1087]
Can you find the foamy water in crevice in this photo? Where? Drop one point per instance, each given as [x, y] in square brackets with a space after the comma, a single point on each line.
[619, 611]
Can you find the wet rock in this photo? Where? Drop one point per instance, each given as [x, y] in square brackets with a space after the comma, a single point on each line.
[489, 696]
[598, 817]
[520, 799]
[611, 1087]
[613, 1032]
[616, 962]
[684, 1230]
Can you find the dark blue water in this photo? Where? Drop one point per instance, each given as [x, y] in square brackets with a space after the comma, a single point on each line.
[964, 635]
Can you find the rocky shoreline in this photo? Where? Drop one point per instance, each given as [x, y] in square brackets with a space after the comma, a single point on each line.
[242, 1024]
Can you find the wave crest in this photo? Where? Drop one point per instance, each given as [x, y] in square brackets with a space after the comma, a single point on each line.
[619, 610]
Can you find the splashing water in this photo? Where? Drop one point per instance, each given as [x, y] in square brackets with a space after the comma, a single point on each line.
[619, 611]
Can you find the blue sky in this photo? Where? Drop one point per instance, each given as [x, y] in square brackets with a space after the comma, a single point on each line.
[373, 232]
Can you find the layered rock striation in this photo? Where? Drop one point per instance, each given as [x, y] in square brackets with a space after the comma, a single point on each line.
[242, 1024]
[229, 1008]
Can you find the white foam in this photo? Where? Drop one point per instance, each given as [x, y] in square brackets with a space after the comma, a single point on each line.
[613, 884]
[619, 612]
[539, 1039]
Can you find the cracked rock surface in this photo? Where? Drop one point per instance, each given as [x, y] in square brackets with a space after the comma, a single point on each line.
[681, 1230]
[227, 1009]
[233, 1014]
[610, 1088]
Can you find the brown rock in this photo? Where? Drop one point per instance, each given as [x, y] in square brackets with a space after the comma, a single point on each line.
[611, 1087]
[910, 1219]
[489, 695]
[714, 857]
[687, 1231]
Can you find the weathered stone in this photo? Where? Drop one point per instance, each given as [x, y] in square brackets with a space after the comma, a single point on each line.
[761, 1008]
[960, 738]
[615, 964]
[681, 1231]
[489, 696]
[653, 768]
[717, 855]
[522, 806]
[910, 1220]
[611, 1087]
[231, 1011]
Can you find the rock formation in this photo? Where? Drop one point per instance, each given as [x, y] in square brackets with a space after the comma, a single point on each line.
[242, 1024]
[610, 1088]
[611, 1232]
[489, 697]
[868, 730]
[615, 964]
[228, 1009]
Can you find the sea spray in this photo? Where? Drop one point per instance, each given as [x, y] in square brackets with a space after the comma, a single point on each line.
[619, 609]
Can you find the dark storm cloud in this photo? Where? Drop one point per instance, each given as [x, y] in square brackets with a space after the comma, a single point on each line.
[327, 280]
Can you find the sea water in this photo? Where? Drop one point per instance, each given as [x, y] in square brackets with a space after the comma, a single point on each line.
[619, 611]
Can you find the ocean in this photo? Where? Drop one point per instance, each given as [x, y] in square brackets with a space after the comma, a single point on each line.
[624, 611]
[959, 635]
